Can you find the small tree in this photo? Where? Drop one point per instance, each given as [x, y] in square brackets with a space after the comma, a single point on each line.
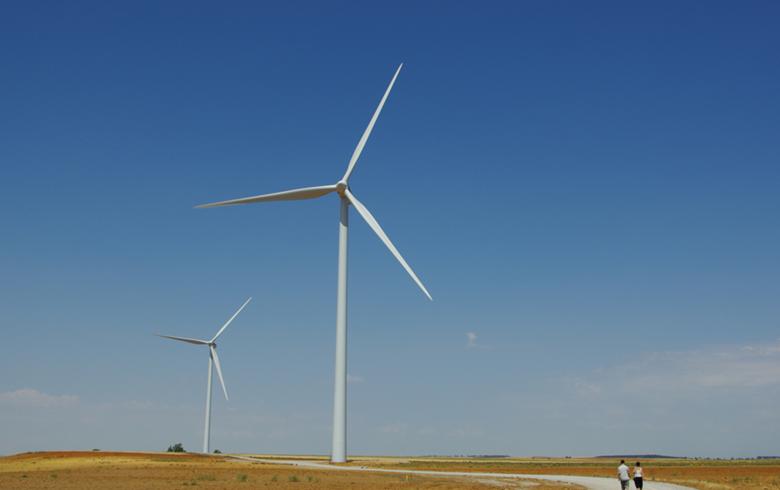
[217, 451]
[176, 448]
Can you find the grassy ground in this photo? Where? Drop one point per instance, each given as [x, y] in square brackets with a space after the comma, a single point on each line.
[701, 474]
[155, 471]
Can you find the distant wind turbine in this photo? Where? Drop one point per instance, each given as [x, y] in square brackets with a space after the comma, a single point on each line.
[213, 360]
[339, 449]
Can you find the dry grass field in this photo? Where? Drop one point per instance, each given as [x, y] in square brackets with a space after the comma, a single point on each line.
[700, 474]
[125, 471]
[153, 471]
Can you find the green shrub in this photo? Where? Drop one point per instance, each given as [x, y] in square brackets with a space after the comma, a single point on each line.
[176, 448]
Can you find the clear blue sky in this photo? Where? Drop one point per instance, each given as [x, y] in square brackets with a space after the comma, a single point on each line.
[588, 189]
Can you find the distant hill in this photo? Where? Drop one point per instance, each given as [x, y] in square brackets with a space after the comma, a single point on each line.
[637, 456]
[488, 456]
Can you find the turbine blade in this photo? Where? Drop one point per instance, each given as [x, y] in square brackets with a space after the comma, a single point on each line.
[185, 339]
[367, 132]
[219, 370]
[372, 222]
[291, 195]
[231, 319]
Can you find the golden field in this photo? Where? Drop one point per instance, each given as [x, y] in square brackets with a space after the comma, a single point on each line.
[155, 471]
[700, 474]
[125, 471]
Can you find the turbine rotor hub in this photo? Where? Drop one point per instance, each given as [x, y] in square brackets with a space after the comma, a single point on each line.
[341, 186]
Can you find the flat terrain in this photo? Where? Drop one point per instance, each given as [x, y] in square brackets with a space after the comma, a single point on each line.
[502, 479]
[124, 471]
[699, 474]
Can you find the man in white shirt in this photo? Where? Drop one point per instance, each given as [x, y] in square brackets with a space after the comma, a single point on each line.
[623, 475]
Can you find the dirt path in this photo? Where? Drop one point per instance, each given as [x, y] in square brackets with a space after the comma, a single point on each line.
[589, 482]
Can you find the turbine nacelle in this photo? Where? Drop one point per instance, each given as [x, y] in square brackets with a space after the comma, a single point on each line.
[212, 345]
[342, 189]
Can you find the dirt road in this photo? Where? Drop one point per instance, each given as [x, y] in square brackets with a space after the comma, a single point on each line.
[589, 482]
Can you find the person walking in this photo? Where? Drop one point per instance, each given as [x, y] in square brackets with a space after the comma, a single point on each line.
[638, 475]
[623, 475]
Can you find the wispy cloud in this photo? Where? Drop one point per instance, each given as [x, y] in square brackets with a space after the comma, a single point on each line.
[472, 341]
[395, 428]
[354, 379]
[706, 369]
[28, 397]
[709, 401]
[34, 420]
[466, 432]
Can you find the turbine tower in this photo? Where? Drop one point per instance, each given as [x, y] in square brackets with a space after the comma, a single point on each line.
[346, 197]
[213, 360]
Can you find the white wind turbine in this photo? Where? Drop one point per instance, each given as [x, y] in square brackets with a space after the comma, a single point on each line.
[213, 360]
[339, 449]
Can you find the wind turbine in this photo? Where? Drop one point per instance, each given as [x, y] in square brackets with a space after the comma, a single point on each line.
[346, 197]
[213, 360]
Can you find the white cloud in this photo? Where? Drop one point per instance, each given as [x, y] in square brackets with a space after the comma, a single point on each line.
[710, 369]
[28, 397]
[395, 428]
[584, 388]
[472, 342]
[35, 421]
[426, 431]
[354, 379]
[466, 432]
[130, 405]
[707, 401]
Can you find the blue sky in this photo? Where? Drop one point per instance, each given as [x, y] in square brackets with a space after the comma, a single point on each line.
[588, 190]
